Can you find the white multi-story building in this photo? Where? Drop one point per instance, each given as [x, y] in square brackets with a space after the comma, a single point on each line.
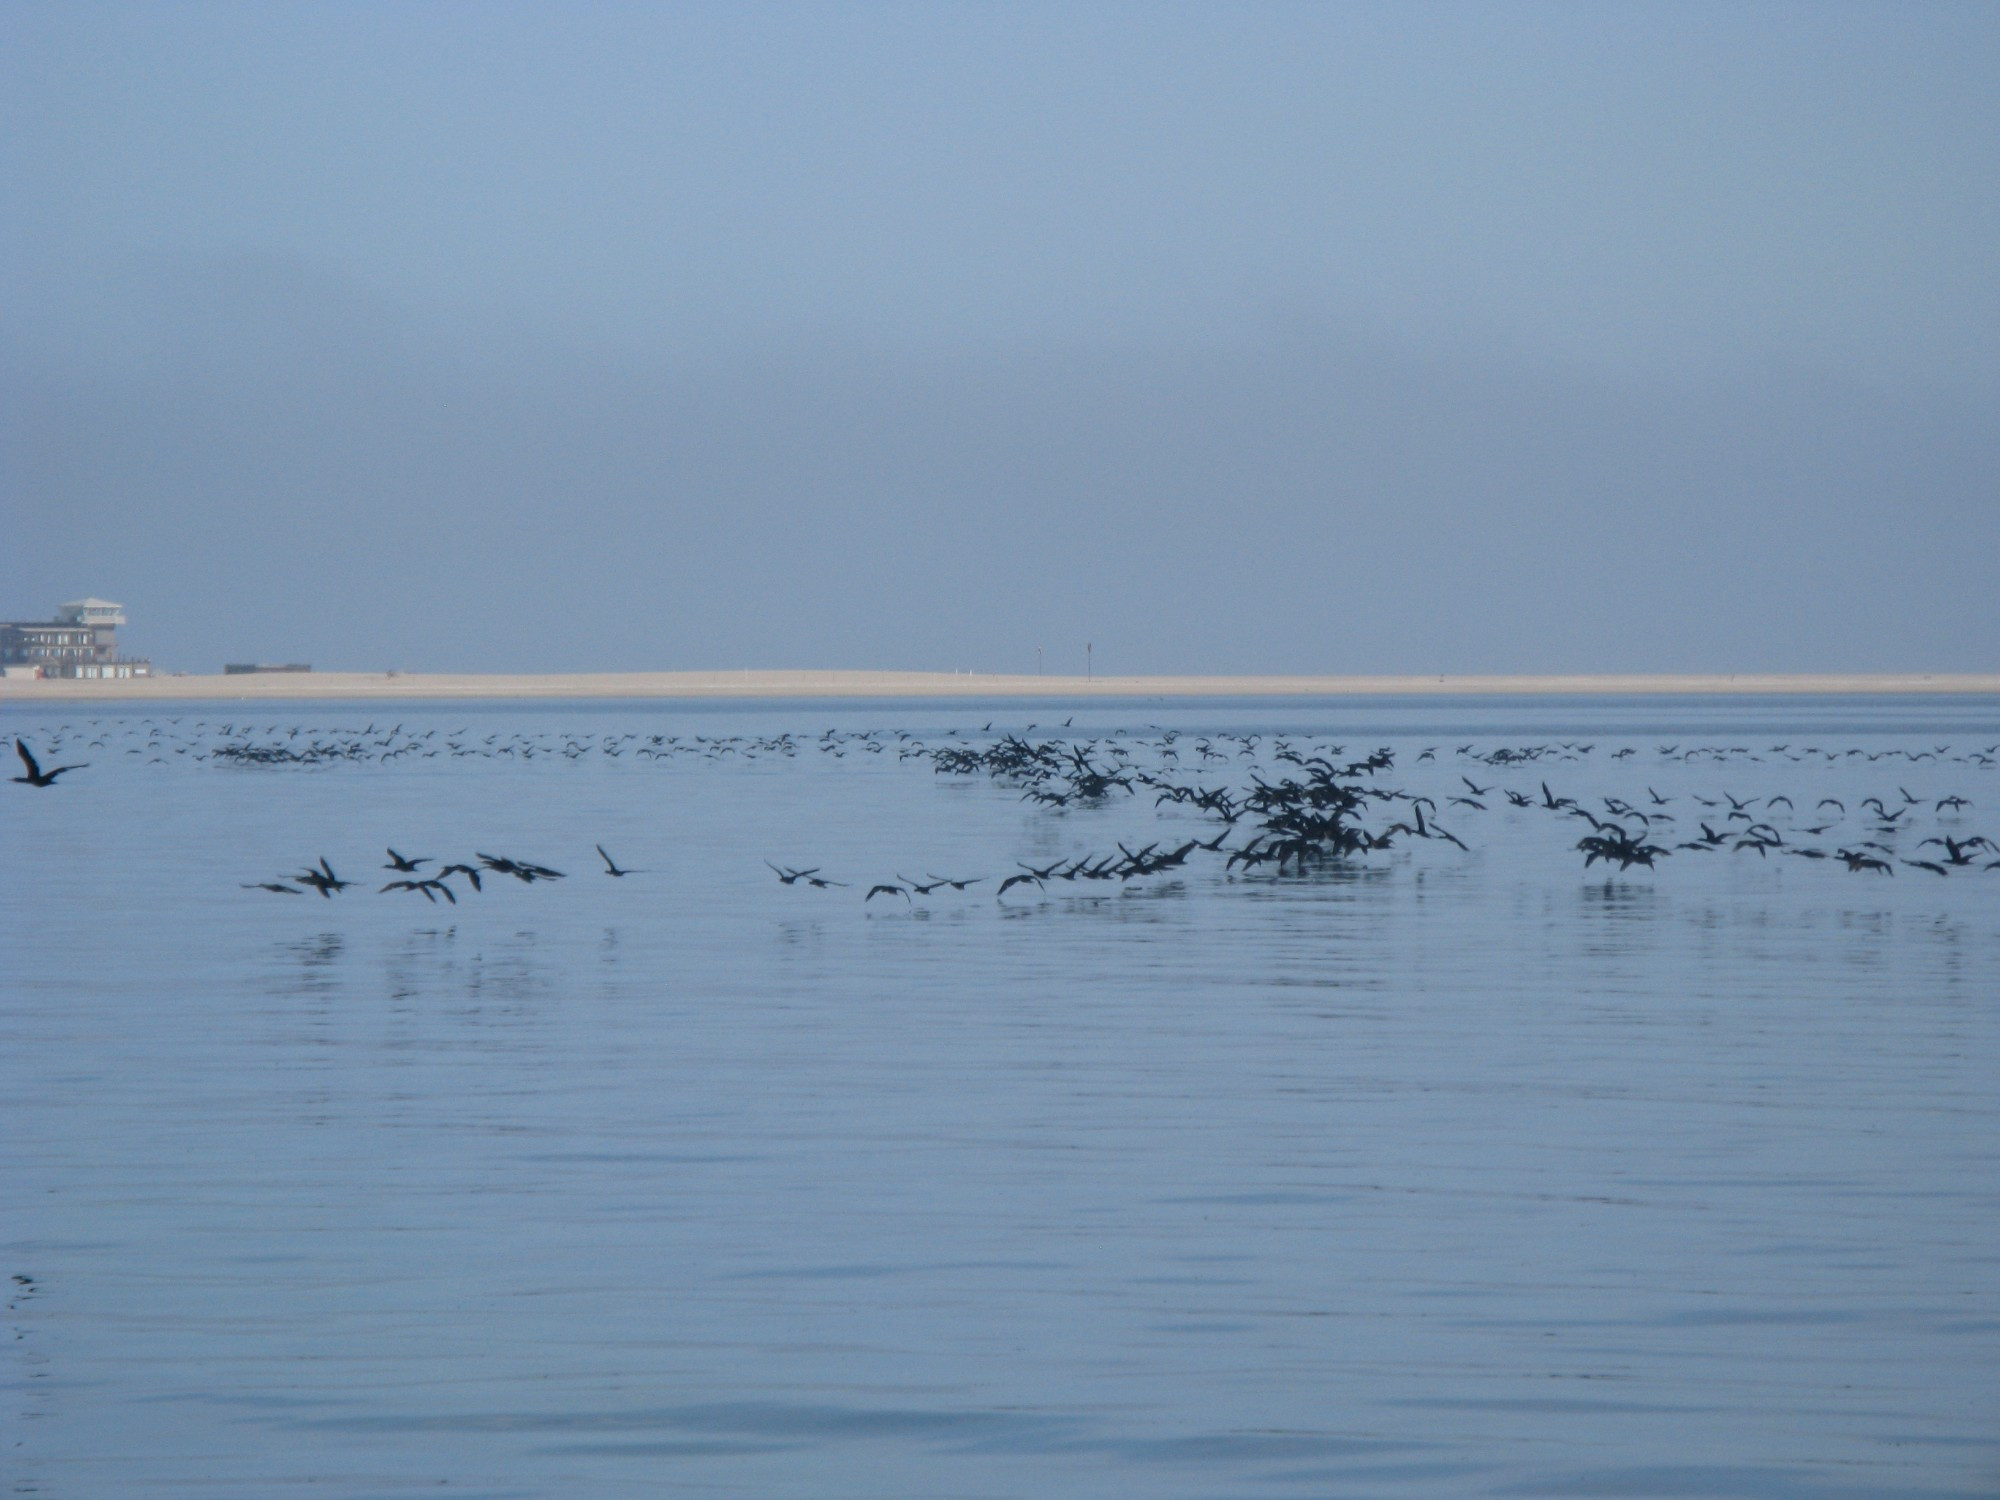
[81, 641]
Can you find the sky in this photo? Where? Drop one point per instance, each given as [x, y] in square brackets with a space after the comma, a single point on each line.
[1220, 338]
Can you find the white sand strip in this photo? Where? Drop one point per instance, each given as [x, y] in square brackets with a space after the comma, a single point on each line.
[780, 684]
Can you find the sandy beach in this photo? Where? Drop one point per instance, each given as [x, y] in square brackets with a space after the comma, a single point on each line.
[332, 686]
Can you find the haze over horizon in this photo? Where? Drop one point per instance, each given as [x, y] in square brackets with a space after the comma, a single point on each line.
[1266, 340]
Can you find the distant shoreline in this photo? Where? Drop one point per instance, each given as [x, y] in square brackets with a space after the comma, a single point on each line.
[334, 686]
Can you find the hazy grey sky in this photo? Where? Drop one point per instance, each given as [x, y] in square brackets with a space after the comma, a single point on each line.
[1227, 337]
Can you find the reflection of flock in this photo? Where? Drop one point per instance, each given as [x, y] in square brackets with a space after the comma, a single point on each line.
[1285, 806]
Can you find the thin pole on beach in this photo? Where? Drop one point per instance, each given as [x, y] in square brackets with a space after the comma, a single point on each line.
[1086, 661]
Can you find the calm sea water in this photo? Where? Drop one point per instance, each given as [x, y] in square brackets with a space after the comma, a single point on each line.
[1440, 1173]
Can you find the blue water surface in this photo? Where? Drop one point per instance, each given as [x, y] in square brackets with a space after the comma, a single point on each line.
[1436, 1171]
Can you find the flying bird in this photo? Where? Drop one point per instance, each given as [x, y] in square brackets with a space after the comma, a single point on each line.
[611, 865]
[522, 871]
[36, 775]
[323, 879]
[427, 887]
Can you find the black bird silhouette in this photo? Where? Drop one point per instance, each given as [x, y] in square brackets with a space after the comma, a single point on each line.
[1613, 844]
[526, 873]
[427, 887]
[36, 775]
[323, 879]
[884, 890]
[404, 866]
[466, 870]
[611, 865]
[1013, 880]
[1956, 850]
[273, 885]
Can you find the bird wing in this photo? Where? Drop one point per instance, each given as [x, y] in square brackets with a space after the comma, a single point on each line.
[27, 757]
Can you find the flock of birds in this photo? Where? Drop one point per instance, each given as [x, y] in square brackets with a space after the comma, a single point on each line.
[321, 877]
[1284, 804]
